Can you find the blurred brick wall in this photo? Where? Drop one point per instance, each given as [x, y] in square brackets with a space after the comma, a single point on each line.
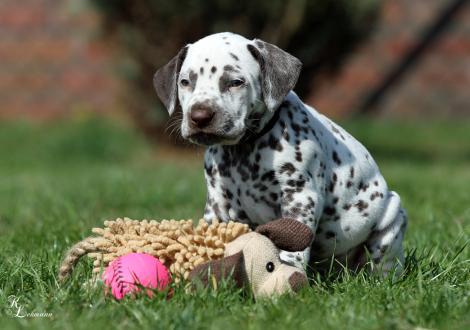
[53, 63]
[439, 84]
[50, 60]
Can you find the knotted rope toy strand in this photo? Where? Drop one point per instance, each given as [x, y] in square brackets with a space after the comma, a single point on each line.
[179, 245]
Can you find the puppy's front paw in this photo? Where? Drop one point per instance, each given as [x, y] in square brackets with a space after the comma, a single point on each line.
[295, 259]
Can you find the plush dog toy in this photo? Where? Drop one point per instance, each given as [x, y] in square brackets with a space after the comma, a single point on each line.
[253, 259]
[203, 253]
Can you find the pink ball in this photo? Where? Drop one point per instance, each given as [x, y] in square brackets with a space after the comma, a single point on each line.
[133, 271]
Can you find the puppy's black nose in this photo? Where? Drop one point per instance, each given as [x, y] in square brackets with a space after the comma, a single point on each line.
[201, 115]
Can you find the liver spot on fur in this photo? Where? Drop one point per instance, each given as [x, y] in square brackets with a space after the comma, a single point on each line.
[224, 82]
[336, 158]
[289, 168]
[193, 77]
[230, 68]
[235, 57]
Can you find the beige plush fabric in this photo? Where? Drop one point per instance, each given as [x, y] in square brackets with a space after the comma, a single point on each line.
[179, 245]
[258, 251]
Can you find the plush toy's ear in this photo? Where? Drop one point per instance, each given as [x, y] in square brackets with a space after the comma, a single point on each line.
[165, 81]
[228, 267]
[287, 234]
[279, 71]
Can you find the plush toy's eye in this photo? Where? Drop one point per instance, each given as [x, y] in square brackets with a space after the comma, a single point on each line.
[184, 82]
[270, 267]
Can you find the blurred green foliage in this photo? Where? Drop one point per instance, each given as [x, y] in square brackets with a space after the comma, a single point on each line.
[320, 33]
[78, 142]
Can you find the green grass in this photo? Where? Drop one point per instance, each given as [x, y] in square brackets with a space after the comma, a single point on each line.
[59, 180]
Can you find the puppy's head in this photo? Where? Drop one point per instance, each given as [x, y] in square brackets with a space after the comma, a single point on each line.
[224, 84]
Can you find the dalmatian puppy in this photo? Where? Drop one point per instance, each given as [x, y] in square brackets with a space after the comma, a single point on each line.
[270, 156]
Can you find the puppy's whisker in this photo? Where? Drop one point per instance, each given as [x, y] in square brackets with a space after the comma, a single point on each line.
[173, 122]
[174, 126]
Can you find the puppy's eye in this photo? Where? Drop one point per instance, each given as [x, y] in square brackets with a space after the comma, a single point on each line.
[270, 267]
[236, 83]
[184, 82]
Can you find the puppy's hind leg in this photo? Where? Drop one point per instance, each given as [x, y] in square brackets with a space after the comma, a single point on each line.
[385, 244]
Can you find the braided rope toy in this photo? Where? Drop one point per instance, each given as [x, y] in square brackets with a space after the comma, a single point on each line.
[179, 245]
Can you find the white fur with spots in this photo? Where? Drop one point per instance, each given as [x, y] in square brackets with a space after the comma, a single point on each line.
[304, 166]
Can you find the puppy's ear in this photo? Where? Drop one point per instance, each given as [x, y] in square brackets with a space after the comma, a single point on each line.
[165, 81]
[228, 267]
[287, 234]
[279, 71]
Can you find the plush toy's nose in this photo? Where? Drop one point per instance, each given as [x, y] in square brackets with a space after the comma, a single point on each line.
[297, 281]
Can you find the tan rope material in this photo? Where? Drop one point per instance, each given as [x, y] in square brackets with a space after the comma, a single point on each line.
[177, 244]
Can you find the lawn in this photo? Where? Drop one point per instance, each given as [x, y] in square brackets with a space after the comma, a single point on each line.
[59, 180]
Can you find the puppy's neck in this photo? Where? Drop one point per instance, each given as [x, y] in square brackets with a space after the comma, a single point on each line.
[258, 119]
[259, 123]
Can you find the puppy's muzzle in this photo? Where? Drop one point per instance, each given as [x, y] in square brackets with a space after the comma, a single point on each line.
[201, 115]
